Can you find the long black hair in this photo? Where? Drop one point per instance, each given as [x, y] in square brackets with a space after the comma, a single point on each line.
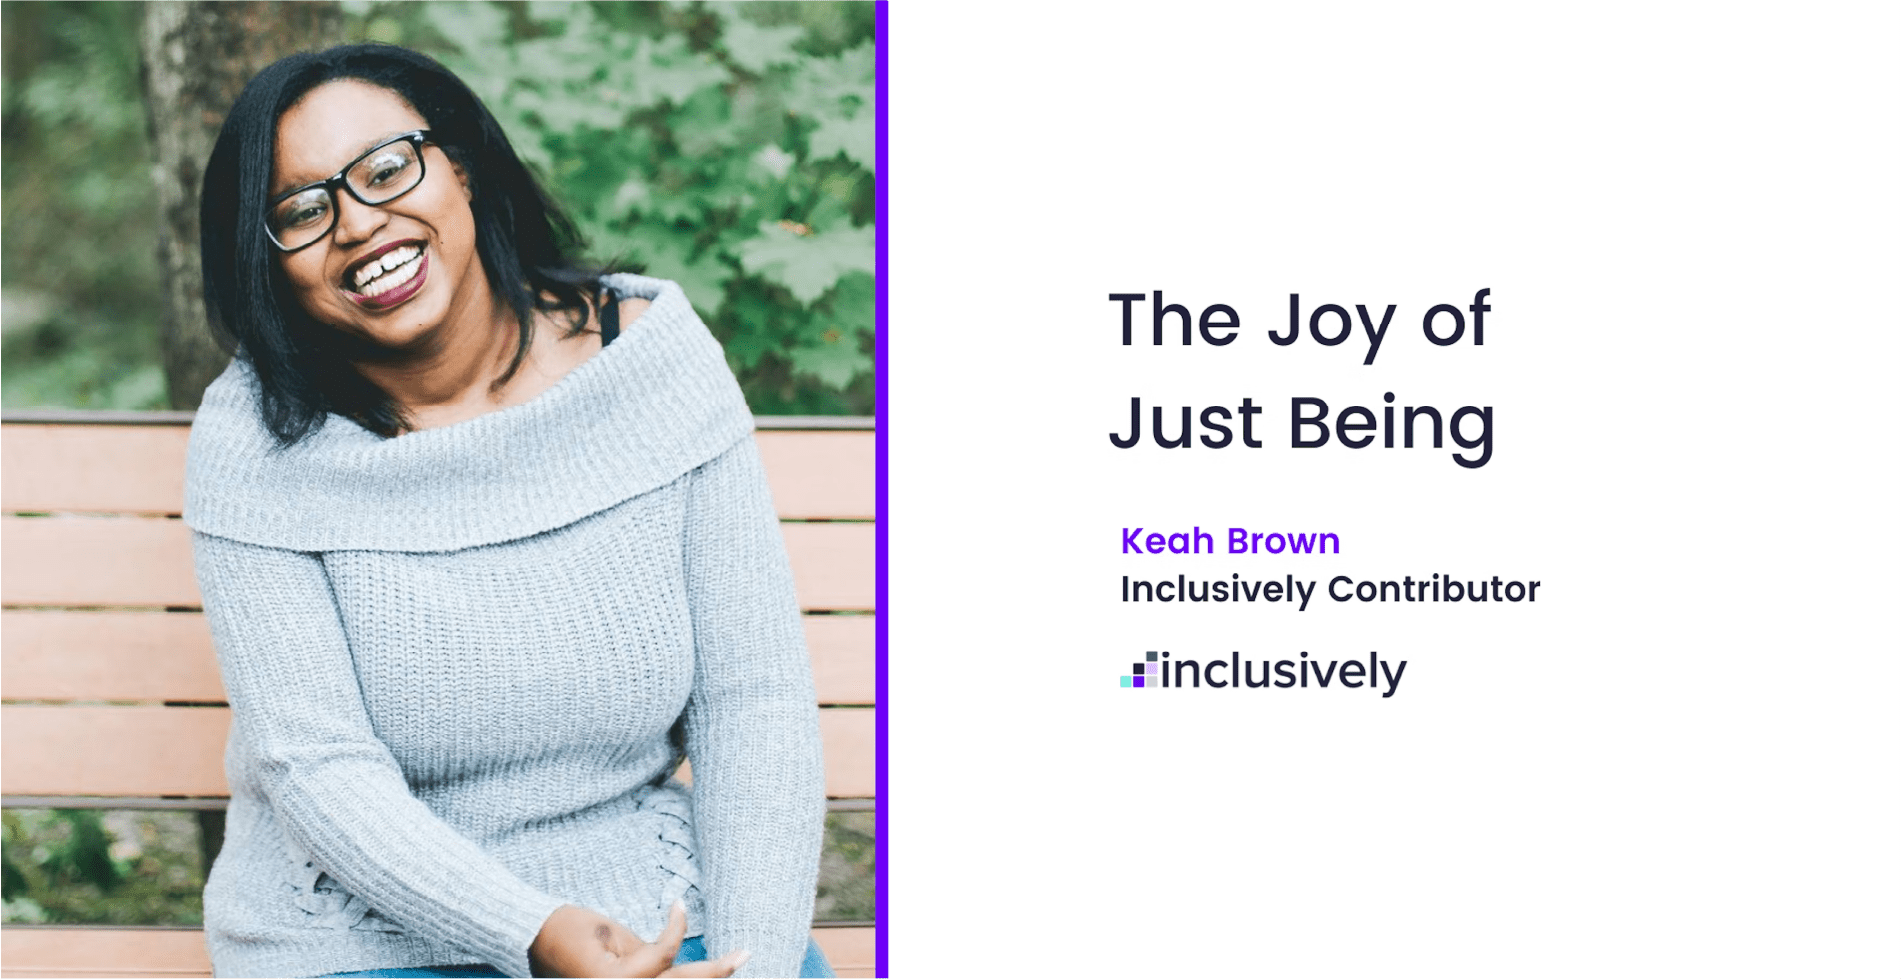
[527, 245]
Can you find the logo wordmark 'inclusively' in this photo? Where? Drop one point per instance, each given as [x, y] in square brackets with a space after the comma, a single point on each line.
[1235, 673]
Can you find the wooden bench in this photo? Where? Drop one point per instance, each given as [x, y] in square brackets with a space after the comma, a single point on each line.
[110, 685]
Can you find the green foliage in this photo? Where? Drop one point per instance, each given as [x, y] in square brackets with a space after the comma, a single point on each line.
[87, 866]
[82, 866]
[728, 147]
[847, 877]
[79, 270]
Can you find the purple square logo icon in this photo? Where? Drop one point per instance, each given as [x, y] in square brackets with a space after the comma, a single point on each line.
[1143, 673]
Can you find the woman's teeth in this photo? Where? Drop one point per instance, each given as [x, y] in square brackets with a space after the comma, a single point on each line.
[391, 270]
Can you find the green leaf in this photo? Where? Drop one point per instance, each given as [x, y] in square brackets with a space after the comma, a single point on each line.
[703, 125]
[854, 304]
[807, 265]
[557, 112]
[475, 28]
[835, 88]
[674, 71]
[837, 95]
[703, 277]
[575, 17]
[746, 329]
[774, 161]
[757, 48]
[834, 363]
[857, 138]
[831, 348]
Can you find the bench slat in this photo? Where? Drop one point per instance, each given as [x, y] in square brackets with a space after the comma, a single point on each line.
[834, 565]
[181, 952]
[113, 750]
[821, 474]
[111, 468]
[129, 561]
[179, 751]
[103, 952]
[96, 561]
[159, 656]
[851, 951]
[851, 751]
[57, 655]
[141, 469]
[844, 652]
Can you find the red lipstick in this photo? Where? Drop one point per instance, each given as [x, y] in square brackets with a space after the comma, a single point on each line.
[398, 295]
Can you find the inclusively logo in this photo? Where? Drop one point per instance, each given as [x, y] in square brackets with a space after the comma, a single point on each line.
[1156, 669]
[1136, 679]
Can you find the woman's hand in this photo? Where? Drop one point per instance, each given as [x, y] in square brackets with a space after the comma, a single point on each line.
[577, 942]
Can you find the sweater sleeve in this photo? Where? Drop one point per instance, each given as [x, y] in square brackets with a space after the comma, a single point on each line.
[333, 786]
[751, 722]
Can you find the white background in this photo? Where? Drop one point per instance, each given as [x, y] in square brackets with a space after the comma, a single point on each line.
[1681, 761]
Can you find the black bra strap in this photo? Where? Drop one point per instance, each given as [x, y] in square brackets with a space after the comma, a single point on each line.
[610, 316]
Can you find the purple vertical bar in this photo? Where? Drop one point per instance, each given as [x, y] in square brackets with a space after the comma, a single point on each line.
[881, 40]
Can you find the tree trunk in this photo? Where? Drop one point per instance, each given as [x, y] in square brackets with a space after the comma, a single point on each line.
[195, 57]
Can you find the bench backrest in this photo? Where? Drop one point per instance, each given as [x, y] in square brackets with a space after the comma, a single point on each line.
[111, 695]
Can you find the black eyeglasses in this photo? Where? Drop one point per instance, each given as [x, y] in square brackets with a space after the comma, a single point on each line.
[302, 217]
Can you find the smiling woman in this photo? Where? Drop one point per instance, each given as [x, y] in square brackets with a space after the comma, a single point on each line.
[371, 270]
[480, 576]
[392, 261]
[357, 175]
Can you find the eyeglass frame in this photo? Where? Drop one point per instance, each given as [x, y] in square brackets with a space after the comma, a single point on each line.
[419, 137]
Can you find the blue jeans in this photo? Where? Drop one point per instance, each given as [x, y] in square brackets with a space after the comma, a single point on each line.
[691, 950]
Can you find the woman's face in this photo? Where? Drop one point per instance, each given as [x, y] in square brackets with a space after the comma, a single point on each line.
[397, 301]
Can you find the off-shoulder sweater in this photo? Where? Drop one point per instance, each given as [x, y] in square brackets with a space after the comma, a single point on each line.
[464, 663]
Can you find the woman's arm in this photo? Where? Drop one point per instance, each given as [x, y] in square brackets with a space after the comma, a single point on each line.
[751, 722]
[333, 786]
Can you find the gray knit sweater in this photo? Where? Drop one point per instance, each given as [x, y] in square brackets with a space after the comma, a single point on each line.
[463, 663]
